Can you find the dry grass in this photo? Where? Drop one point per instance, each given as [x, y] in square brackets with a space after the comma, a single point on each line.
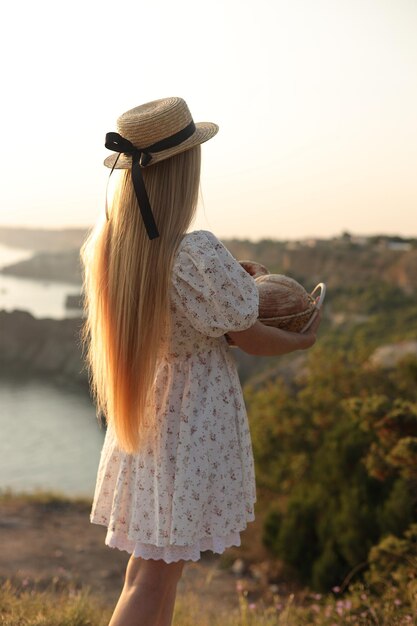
[30, 607]
[20, 606]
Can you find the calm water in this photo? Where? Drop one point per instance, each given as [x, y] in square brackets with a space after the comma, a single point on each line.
[50, 438]
[42, 298]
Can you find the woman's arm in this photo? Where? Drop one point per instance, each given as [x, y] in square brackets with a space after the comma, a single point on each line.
[262, 340]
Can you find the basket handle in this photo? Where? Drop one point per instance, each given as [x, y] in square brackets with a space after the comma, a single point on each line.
[320, 298]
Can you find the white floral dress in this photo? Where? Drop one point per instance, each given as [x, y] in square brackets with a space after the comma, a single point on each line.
[194, 488]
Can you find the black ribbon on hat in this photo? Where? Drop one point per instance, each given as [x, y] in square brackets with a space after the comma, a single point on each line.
[140, 158]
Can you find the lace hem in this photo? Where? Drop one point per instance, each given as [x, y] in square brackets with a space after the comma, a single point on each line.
[171, 552]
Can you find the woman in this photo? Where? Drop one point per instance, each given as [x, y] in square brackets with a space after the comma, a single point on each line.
[176, 473]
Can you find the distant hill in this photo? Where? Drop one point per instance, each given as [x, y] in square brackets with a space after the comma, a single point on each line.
[337, 262]
[44, 239]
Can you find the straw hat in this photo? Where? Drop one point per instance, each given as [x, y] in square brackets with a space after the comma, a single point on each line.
[152, 122]
[150, 133]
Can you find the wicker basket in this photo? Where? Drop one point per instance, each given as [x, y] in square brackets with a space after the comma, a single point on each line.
[296, 322]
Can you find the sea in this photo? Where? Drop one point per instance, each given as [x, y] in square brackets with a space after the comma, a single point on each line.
[50, 438]
[42, 298]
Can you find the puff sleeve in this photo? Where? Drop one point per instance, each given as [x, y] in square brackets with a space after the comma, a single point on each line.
[215, 293]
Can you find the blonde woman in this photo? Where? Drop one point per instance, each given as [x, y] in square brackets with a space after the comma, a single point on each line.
[176, 474]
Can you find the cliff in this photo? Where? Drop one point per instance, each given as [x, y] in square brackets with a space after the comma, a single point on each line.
[44, 347]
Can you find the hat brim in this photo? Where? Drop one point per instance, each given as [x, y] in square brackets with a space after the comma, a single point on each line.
[204, 131]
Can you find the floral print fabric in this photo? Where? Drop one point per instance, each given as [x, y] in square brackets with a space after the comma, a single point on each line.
[193, 488]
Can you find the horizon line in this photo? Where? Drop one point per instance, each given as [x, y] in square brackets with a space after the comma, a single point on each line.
[242, 238]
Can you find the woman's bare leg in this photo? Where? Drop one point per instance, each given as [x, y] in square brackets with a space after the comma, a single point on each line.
[148, 594]
[167, 608]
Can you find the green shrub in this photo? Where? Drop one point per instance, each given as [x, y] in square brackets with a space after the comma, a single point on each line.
[340, 453]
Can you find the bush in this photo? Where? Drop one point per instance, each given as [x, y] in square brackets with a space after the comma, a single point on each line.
[340, 451]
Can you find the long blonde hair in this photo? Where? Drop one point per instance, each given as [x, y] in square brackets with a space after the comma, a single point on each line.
[126, 286]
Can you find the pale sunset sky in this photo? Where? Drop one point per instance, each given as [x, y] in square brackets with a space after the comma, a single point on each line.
[316, 102]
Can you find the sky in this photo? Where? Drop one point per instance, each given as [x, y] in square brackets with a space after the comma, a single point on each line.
[316, 102]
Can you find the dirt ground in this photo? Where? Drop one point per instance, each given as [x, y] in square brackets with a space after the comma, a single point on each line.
[53, 541]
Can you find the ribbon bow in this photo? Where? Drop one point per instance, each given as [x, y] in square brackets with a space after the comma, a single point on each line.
[117, 143]
[140, 158]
